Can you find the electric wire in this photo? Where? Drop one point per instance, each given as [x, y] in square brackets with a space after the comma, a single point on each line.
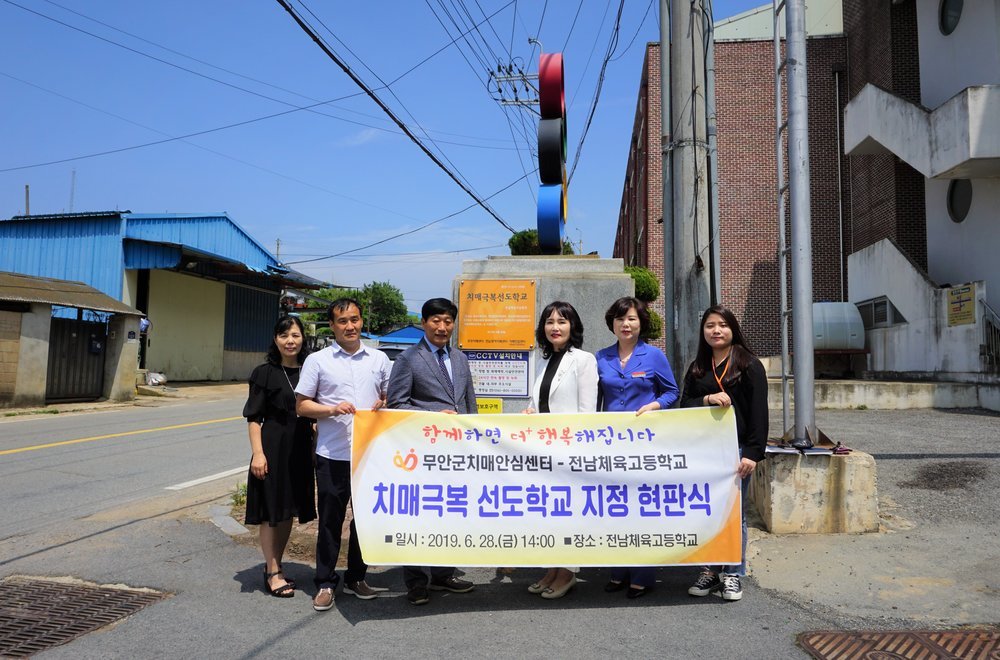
[371, 94]
[416, 124]
[612, 44]
[408, 232]
[311, 108]
[634, 36]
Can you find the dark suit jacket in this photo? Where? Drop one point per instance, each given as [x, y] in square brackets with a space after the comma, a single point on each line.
[416, 382]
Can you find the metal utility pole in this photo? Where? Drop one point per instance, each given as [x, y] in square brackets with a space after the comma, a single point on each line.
[27, 200]
[690, 178]
[801, 244]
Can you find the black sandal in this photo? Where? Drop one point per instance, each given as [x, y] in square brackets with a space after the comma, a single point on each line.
[281, 570]
[284, 591]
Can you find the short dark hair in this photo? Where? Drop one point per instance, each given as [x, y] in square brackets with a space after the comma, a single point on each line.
[342, 305]
[436, 306]
[567, 311]
[620, 307]
[283, 324]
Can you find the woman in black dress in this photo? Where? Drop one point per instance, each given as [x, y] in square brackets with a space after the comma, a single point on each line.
[280, 483]
[727, 373]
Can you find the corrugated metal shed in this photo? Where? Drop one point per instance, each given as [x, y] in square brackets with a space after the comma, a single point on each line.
[82, 247]
[97, 247]
[15, 287]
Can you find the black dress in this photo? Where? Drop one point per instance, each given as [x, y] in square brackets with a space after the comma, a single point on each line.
[288, 488]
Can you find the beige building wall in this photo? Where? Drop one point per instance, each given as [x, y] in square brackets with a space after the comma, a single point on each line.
[188, 325]
[130, 287]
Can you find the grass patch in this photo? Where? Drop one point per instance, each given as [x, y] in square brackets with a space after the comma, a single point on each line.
[239, 496]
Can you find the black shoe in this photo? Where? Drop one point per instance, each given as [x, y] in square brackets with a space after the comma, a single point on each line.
[613, 586]
[731, 588]
[418, 595]
[452, 584]
[707, 582]
[637, 593]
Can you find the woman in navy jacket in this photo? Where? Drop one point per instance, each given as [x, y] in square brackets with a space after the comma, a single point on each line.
[634, 376]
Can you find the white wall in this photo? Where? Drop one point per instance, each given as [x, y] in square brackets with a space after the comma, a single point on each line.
[967, 57]
[969, 250]
[188, 325]
[925, 343]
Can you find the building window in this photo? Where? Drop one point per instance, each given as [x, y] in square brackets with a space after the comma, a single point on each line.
[879, 313]
[948, 15]
[959, 199]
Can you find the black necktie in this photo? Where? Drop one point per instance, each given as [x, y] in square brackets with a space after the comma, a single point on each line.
[444, 372]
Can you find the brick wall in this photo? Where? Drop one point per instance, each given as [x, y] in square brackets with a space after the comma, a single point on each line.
[747, 187]
[887, 195]
[10, 342]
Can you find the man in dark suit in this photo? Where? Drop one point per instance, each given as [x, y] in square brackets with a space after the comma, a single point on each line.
[431, 375]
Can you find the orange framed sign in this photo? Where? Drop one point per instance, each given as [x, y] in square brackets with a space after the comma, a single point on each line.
[496, 315]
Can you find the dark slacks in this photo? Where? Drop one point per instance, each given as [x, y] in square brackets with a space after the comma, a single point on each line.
[416, 576]
[333, 485]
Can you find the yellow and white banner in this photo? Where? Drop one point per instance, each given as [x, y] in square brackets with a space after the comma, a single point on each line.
[582, 489]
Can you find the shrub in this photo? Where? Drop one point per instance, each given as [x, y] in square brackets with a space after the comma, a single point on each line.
[647, 287]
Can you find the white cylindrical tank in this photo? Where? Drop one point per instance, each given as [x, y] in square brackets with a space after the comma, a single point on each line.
[837, 326]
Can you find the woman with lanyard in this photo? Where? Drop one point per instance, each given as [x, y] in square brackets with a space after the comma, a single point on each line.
[727, 373]
[634, 377]
[280, 483]
[566, 382]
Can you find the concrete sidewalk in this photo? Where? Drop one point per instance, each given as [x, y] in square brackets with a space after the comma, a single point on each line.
[934, 561]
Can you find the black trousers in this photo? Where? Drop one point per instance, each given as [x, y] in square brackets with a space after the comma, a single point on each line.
[333, 485]
[416, 576]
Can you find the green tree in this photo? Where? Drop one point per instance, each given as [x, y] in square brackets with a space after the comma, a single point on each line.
[647, 288]
[384, 307]
[526, 243]
[655, 329]
[382, 304]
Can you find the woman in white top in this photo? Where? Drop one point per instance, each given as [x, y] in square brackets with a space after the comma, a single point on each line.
[565, 382]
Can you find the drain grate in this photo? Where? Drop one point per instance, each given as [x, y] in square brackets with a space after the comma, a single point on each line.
[888, 645]
[38, 614]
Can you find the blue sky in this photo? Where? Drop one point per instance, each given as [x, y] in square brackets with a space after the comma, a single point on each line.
[335, 177]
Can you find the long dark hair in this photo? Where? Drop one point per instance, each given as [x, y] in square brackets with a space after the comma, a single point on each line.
[283, 324]
[739, 359]
[566, 311]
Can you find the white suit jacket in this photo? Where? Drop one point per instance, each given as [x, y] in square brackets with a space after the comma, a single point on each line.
[574, 387]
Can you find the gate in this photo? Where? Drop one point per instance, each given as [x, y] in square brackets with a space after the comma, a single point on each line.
[76, 360]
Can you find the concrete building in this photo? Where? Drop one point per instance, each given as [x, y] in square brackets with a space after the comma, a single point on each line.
[925, 129]
[748, 204]
[209, 289]
[904, 182]
[89, 353]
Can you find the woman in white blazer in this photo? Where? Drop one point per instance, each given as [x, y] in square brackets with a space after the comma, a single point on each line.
[565, 382]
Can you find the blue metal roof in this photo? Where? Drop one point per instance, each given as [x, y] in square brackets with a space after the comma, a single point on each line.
[213, 234]
[411, 334]
[96, 247]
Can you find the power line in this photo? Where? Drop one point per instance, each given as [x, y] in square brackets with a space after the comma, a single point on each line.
[372, 95]
[612, 44]
[411, 231]
[310, 108]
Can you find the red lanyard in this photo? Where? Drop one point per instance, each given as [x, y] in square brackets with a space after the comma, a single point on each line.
[718, 378]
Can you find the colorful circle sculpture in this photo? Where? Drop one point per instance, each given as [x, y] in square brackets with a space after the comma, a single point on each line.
[552, 205]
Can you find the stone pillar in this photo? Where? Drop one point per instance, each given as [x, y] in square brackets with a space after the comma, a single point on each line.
[33, 356]
[589, 283]
[812, 494]
[121, 358]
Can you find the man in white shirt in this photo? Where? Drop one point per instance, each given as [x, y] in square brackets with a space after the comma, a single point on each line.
[334, 383]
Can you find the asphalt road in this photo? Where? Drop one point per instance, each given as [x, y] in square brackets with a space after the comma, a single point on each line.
[99, 510]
